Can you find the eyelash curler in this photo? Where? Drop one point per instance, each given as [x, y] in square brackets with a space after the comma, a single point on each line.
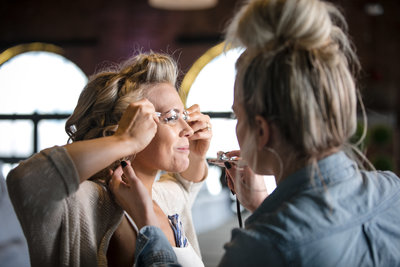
[219, 161]
[221, 158]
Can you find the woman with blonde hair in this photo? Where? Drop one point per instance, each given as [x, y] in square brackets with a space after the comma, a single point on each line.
[295, 99]
[128, 115]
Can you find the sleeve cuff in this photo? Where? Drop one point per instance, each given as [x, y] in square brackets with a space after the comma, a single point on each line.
[153, 248]
[65, 166]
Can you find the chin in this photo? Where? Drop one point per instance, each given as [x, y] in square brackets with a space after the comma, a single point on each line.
[183, 167]
[179, 166]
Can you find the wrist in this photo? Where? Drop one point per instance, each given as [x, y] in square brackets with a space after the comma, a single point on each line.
[259, 198]
[195, 157]
[128, 146]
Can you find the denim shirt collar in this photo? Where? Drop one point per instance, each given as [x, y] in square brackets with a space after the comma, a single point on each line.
[332, 169]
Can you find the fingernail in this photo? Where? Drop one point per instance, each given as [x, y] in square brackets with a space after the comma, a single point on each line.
[227, 165]
[123, 164]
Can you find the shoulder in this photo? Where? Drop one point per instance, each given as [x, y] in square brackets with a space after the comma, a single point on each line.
[51, 166]
[169, 186]
[96, 195]
[382, 177]
[169, 194]
[381, 185]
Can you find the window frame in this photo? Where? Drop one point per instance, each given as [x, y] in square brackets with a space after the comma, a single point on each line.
[9, 54]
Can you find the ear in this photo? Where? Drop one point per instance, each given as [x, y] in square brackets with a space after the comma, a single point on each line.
[263, 132]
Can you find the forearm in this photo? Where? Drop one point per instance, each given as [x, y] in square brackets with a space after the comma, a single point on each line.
[91, 156]
[197, 169]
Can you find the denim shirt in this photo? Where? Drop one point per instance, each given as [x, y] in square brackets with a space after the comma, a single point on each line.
[153, 248]
[341, 217]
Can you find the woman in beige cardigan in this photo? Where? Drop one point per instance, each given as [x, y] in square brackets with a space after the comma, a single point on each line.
[131, 114]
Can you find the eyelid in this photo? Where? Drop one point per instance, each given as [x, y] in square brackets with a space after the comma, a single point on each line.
[172, 116]
[177, 111]
[163, 114]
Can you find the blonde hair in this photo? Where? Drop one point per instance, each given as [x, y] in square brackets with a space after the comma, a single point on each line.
[108, 93]
[298, 71]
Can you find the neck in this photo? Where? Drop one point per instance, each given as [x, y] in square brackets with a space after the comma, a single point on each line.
[147, 176]
[292, 164]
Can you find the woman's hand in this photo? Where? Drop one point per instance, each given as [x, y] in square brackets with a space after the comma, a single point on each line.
[138, 124]
[199, 143]
[249, 187]
[200, 140]
[136, 129]
[130, 193]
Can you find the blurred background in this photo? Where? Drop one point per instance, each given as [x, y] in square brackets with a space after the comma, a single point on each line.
[48, 49]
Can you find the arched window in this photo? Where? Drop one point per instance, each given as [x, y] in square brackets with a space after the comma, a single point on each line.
[39, 89]
[209, 83]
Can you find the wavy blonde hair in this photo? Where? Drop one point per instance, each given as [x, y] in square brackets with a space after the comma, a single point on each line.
[298, 71]
[109, 92]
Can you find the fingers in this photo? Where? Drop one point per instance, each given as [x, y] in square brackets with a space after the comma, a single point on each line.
[241, 175]
[117, 179]
[201, 134]
[134, 198]
[138, 124]
[128, 172]
[124, 174]
[194, 108]
[233, 153]
[137, 110]
[199, 123]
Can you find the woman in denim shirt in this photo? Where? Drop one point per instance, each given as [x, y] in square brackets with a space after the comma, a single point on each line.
[295, 99]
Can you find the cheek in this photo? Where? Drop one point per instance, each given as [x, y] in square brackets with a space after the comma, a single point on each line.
[246, 143]
[162, 146]
[162, 152]
[156, 153]
[239, 132]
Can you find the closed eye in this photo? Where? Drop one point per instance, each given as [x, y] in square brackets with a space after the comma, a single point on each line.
[171, 118]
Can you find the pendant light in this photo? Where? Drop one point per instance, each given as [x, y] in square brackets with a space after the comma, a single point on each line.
[183, 4]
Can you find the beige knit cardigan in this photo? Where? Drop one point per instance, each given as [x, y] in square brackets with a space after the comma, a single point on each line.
[70, 224]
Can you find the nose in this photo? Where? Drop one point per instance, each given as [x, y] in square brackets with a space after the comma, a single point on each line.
[186, 131]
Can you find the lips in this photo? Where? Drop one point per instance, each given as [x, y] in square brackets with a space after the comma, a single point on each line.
[183, 149]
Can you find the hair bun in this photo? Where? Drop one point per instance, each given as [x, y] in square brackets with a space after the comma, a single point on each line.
[304, 23]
